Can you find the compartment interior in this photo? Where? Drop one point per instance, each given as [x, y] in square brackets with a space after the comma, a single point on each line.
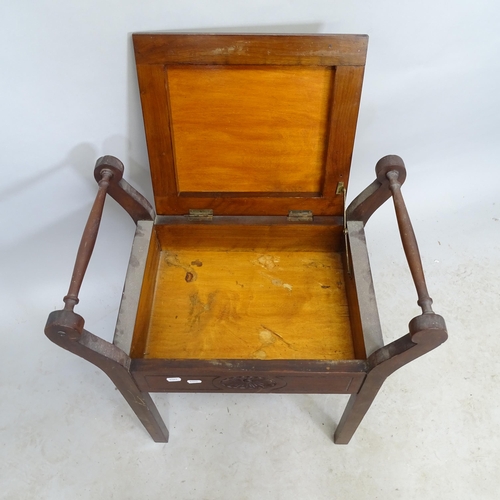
[233, 291]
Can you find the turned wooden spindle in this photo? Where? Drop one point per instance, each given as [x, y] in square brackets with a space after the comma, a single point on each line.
[410, 245]
[87, 242]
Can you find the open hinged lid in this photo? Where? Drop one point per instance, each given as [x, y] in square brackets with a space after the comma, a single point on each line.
[250, 124]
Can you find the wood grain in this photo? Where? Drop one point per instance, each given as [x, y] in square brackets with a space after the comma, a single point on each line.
[143, 318]
[262, 236]
[245, 129]
[189, 48]
[270, 134]
[155, 110]
[292, 376]
[346, 97]
[249, 305]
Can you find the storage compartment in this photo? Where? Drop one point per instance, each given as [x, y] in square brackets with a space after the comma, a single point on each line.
[251, 275]
[233, 291]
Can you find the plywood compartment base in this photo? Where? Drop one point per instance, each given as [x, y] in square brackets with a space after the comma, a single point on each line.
[261, 302]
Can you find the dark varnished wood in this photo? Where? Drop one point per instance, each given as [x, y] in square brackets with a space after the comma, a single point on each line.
[410, 245]
[121, 191]
[429, 331]
[292, 376]
[87, 242]
[135, 378]
[344, 116]
[378, 192]
[250, 220]
[65, 329]
[108, 173]
[295, 50]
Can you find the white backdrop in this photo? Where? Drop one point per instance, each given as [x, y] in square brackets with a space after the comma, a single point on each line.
[69, 95]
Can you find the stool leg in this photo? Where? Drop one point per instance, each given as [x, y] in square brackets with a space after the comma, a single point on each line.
[356, 408]
[65, 329]
[140, 402]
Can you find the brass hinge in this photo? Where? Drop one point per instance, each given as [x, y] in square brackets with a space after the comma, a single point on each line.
[300, 216]
[203, 214]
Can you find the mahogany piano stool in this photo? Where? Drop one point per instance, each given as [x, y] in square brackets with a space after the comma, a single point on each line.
[251, 275]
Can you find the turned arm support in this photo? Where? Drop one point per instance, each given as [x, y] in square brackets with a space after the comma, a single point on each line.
[428, 330]
[108, 173]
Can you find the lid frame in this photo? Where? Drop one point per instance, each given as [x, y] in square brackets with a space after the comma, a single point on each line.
[155, 52]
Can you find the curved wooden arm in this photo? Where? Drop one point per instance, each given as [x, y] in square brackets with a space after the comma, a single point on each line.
[108, 173]
[120, 190]
[378, 192]
[391, 174]
[428, 330]
[65, 328]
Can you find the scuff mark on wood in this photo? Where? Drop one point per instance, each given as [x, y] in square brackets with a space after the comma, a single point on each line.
[265, 329]
[267, 262]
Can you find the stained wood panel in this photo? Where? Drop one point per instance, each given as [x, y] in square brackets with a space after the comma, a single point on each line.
[239, 234]
[249, 125]
[249, 305]
[250, 129]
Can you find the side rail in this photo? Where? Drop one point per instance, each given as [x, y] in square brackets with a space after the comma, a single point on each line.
[426, 331]
[391, 174]
[66, 328]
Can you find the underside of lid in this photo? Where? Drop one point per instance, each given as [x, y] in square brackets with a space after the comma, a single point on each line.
[249, 124]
